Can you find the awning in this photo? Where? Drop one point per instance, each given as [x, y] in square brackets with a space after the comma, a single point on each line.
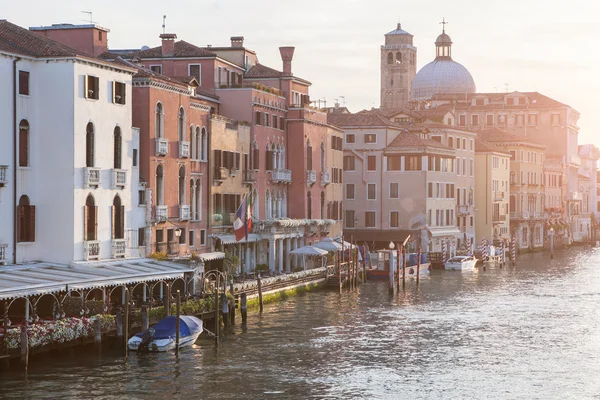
[376, 235]
[41, 278]
[230, 239]
[215, 255]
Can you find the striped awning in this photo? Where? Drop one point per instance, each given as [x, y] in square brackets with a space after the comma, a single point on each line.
[215, 255]
[230, 239]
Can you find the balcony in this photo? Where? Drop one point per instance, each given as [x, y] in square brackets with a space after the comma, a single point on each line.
[184, 213]
[464, 210]
[249, 177]
[162, 213]
[221, 175]
[3, 248]
[91, 177]
[281, 176]
[173, 248]
[498, 218]
[325, 179]
[161, 247]
[119, 178]
[184, 149]
[91, 250]
[520, 215]
[118, 247]
[311, 177]
[162, 147]
[3, 175]
[498, 196]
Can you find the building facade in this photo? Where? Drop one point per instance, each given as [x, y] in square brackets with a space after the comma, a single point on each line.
[398, 65]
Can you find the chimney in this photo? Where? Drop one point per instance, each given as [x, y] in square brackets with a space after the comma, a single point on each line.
[287, 53]
[237, 41]
[168, 44]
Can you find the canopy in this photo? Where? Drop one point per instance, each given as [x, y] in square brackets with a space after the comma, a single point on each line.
[166, 327]
[346, 245]
[328, 244]
[309, 251]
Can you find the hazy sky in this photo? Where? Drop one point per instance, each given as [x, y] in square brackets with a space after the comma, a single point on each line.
[531, 45]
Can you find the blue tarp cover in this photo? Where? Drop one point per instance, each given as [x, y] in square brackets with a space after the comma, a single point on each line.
[165, 328]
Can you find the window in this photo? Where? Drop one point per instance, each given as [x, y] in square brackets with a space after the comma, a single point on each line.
[394, 219]
[160, 185]
[464, 142]
[118, 219]
[281, 123]
[393, 163]
[181, 186]
[159, 121]
[204, 145]
[24, 83]
[195, 71]
[370, 219]
[350, 191]
[371, 191]
[141, 237]
[349, 163]
[413, 163]
[519, 119]
[462, 120]
[533, 119]
[349, 219]
[117, 144]
[479, 102]
[308, 205]
[156, 69]
[371, 163]
[451, 142]
[390, 58]
[191, 238]
[141, 197]
[430, 190]
[555, 119]
[274, 121]
[90, 219]
[350, 138]
[309, 165]
[135, 157]
[181, 124]
[259, 117]
[203, 237]
[266, 120]
[510, 101]
[119, 90]
[370, 138]
[24, 143]
[522, 101]
[471, 145]
[394, 190]
[474, 119]
[489, 120]
[91, 87]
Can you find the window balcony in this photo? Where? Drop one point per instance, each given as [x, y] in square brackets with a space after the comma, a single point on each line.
[184, 149]
[325, 179]
[3, 248]
[118, 247]
[3, 175]
[162, 213]
[91, 250]
[281, 176]
[91, 177]
[498, 218]
[119, 178]
[311, 177]
[161, 247]
[162, 147]
[173, 248]
[249, 177]
[221, 175]
[520, 215]
[184, 213]
[498, 196]
[464, 210]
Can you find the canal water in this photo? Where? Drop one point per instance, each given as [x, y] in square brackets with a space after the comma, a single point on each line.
[525, 332]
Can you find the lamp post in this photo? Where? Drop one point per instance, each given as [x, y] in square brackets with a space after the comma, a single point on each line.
[551, 234]
[392, 267]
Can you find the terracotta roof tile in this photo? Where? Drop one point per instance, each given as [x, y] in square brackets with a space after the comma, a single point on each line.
[497, 135]
[407, 139]
[182, 49]
[536, 100]
[14, 39]
[481, 146]
[262, 71]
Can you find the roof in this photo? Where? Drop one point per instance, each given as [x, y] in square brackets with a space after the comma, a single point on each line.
[536, 99]
[67, 26]
[182, 49]
[40, 278]
[499, 136]
[407, 139]
[371, 118]
[481, 146]
[14, 39]
[398, 31]
[262, 71]
[442, 75]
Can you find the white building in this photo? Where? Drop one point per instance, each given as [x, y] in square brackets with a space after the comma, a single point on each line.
[70, 153]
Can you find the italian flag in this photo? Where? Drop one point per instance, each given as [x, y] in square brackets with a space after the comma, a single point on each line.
[249, 212]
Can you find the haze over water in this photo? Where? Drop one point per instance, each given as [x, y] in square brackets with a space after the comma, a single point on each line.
[531, 332]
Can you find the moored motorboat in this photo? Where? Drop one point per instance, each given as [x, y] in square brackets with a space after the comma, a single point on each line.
[460, 263]
[162, 336]
[385, 258]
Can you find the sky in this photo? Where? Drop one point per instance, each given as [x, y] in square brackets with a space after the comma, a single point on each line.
[527, 45]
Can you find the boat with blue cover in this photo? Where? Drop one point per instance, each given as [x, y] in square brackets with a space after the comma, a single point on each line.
[161, 336]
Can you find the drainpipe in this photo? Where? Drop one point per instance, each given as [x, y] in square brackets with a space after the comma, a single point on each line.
[16, 137]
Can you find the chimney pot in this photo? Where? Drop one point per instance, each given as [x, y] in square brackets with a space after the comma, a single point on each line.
[287, 54]
[168, 44]
[237, 41]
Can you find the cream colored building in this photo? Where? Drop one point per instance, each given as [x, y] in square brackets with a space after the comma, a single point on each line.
[492, 192]
[332, 179]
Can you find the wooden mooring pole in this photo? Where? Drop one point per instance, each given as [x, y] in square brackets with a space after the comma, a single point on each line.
[217, 322]
[244, 307]
[126, 322]
[177, 322]
[418, 265]
[24, 346]
[225, 311]
[260, 297]
[404, 267]
[145, 318]
[339, 271]
[399, 265]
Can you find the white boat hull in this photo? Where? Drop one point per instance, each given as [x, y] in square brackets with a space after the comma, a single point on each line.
[411, 272]
[162, 345]
[460, 266]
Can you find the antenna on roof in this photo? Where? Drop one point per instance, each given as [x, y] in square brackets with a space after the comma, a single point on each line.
[164, 23]
[343, 101]
[506, 87]
[90, 14]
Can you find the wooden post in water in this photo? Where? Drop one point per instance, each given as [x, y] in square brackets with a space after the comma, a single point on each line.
[225, 311]
[168, 301]
[232, 312]
[97, 332]
[217, 323]
[418, 264]
[404, 267]
[119, 324]
[126, 322]
[244, 307]
[399, 265]
[339, 270]
[364, 265]
[260, 299]
[177, 322]
[353, 257]
[145, 318]
[24, 346]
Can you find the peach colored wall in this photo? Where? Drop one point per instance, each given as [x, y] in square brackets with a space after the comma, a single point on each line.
[85, 39]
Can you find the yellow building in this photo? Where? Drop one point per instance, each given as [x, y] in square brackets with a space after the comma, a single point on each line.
[332, 179]
[492, 192]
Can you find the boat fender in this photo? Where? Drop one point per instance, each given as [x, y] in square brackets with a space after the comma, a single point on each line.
[411, 271]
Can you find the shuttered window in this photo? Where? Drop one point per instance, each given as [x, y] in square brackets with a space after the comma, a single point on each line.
[23, 143]
[24, 83]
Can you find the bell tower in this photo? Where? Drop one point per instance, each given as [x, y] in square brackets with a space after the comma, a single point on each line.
[398, 68]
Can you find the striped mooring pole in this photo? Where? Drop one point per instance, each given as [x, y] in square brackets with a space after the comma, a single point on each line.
[513, 250]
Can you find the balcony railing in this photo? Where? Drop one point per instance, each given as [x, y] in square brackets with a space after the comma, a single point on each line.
[498, 218]
[118, 247]
[173, 248]
[311, 177]
[161, 247]
[91, 250]
[119, 178]
[184, 149]
[498, 196]
[3, 253]
[249, 176]
[162, 147]
[184, 212]
[325, 179]
[3, 175]
[463, 210]
[91, 177]
[520, 215]
[221, 174]
[162, 213]
[281, 176]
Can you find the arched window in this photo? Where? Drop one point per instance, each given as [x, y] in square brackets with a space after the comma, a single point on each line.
[284, 204]
[513, 204]
[24, 143]
[90, 219]
[117, 144]
[322, 205]
[193, 154]
[323, 166]
[204, 144]
[309, 165]
[118, 219]
[192, 200]
[390, 59]
[399, 58]
[89, 145]
[268, 205]
[198, 144]
[198, 200]
[25, 220]
[182, 186]
[181, 124]
[159, 121]
[160, 185]
[308, 206]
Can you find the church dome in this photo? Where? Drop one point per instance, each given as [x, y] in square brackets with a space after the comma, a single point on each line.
[442, 75]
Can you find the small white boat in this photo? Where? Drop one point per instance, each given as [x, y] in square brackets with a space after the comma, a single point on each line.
[460, 263]
[161, 337]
